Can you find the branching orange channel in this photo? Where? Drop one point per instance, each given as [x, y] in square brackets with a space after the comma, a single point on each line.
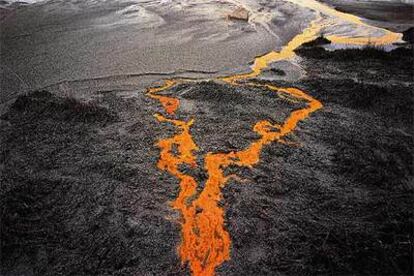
[205, 242]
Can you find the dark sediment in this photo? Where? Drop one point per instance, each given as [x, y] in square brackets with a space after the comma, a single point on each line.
[81, 193]
[341, 203]
[319, 41]
[408, 35]
[393, 15]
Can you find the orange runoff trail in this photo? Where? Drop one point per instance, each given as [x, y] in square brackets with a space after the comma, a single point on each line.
[205, 243]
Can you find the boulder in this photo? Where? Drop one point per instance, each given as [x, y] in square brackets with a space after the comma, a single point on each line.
[239, 14]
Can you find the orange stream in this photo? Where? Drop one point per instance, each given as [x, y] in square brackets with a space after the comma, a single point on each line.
[205, 242]
[170, 104]
[364, 37]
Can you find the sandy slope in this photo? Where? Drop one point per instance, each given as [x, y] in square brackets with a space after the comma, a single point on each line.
[111, 44]
[71, 40]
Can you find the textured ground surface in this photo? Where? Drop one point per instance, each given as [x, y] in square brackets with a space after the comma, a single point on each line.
[81, 193]
[396, 15]
[67, 41]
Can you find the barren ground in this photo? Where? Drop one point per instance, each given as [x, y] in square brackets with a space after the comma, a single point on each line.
[81, 194]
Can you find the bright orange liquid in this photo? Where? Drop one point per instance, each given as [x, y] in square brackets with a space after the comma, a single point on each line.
[205, 242]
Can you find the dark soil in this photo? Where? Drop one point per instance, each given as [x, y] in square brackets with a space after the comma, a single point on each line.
[408, 35]
[80, 191]
[319, 41]
[81, 194]
[397, 12]
[342, 202]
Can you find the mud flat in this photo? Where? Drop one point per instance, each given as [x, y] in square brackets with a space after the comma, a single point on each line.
[125, 44]
[62, 42]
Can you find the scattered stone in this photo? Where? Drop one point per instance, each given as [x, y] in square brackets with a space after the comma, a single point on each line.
[239, 14]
